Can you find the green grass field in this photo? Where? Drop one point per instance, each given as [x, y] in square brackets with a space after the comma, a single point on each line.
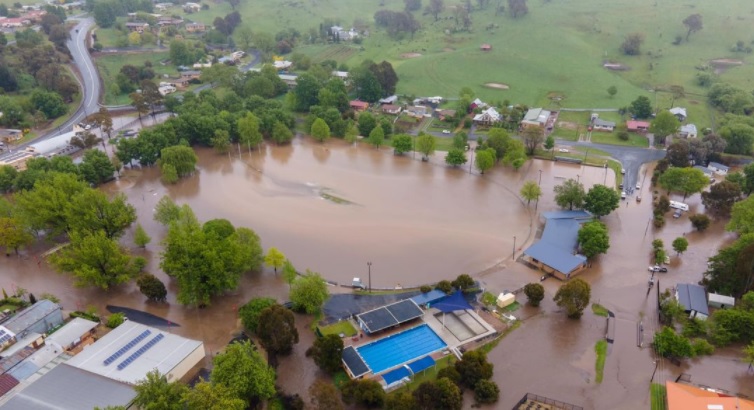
[599, 310]
[599, 366]
[634, 140]
[110, 65]
[659, 396]
[345, 327]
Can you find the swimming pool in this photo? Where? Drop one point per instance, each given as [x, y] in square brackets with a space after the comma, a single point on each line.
[400, 348]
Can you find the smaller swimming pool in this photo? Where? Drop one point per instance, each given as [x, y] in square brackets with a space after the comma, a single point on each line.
[400, 348]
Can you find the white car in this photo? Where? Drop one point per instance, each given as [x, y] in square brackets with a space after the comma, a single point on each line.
[563, 150]
[623, 171]
[638, 186]
[446, 131]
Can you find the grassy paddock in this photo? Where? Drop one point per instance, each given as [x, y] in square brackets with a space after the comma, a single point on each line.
[601, 349]
[634, 140]
[109, 66]
[345, 327]
[658, 395]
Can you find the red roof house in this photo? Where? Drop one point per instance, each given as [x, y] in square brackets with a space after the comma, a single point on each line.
[358, 105]
[485, 47]
[637, 126]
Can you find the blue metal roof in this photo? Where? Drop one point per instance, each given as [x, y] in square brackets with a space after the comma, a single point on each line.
[693, 298]
[429, 297]
[452, 303]
[562, 233]
[555, 257]
[579, 214]
[422, 364]
[395, 375]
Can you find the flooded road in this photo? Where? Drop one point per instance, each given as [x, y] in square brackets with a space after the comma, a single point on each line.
[333, 207]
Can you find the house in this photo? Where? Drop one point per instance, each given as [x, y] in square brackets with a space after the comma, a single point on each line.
[7, 337]
[720, 301]
[707, 171]
[137, 27]
[166, 21]
[282, 65]
[15, 22]
[693, 298]
[389, 100]
[555, 253]
[195, 27]
[718, 168]
[445, 114]
[37, 318]
[477, 103]
[685, 397]
[73, 334]
[485, 47]
[167, 89]
[191, 7]
[602, 125]
[189, 75]
[688, 131]
[488, 117]
[535, 117]
[34, 16]
[9, 134]
[637, 126]
[418, 110]
[343, 75]
[679, 113]
[163, 6]
[391, 109]
[343, 34]
[289, 79]
[357, 105]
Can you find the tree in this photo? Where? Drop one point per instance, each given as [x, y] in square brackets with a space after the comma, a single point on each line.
[324, 396]
[485, 160]
[277, 330]
[435, 7]
[549, 143]
[412, 5]
[680, 245]
[376, 137]
[530, 191]
[425, 143]
[367, 122]
[252, 310]
[667, 343]
[141, 238]
[115, 320]
[535, 293]
[693, 23]
[243, 370]
[166, 211]
[309, 292]
[474, 367]
[749, 354]
[658, 247]
[274, 258]
[95, 260]
[742, 217]
[721, 198]
[104, 14]
[593, 239]
[209, 396]
[152, 288]
[678, 154]
[455, 157]
[700, 221]
[327, 353]
[641, 107]
[612, 90]
[281, 134]
[289, 273]
[574, 297]
[221, 141]
[182, 158]
[45, 207]
[401, 400]
[320, 131]
[486, 392]
[533, 136]
[601, 200]
[365, 392]
[517, 8]
[442, 394]
[13, 234]
[248, 130]
[632, 45]
[748, 184]
[570, 194]
[402, 143]
[156, 393]
[49, 102]
[664, 124]
[687, 181]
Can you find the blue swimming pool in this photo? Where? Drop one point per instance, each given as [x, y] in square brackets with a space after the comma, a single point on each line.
[400, 348]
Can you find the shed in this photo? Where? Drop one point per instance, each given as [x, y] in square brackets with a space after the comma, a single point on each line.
[485, 47]
[505, 299]
[720, 301]
[37, 318]
[688, 131]
[73, 333]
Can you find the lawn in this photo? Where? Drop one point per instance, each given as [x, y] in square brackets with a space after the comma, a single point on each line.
[601, 349]
[599, 310]
[569, 134]
[634, 140]
[659, 396]
[343, 327]
[109, 66]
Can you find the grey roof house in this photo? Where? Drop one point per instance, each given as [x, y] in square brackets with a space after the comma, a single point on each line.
[693, 298]
[37, 318]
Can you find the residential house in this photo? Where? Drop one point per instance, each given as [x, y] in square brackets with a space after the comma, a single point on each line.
[488, 117]
[9, 134]
[163, 6]
[708, 172]
[445, 114]
[535, 117]
[602, 125]
[679, 113]
[686, 397]
[15, 22]
[282, 65]
[357, 105]
[637, 126]
[389, 100]
[73, 334]
[718, 168]
[167, 89]
[189, 75]
[343, 34]
[418, 110]
[34, 16]
[391, 109]
[288, 79]
[693, 298]
[138, 27]
[688, 131]
[556, 252]
[343, 75]
[166, 21]
[477, 103]
[195, 27]
[34, 320]
[7, 337]
[191, 7]
[485, 47]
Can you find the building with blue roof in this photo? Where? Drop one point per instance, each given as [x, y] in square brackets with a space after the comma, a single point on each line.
[556, 251]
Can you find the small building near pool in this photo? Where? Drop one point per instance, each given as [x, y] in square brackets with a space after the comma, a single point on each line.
[556, 252]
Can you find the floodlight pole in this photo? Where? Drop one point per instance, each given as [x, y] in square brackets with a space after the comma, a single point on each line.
[369, 267]
[514, 247]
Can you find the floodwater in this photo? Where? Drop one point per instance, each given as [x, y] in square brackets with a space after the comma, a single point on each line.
[333, 207]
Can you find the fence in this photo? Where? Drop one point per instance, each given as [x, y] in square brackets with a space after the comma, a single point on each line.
[555, 404]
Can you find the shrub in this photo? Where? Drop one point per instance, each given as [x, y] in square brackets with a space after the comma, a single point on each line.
[85, 315]
[700, 221]
[445, 286]
[702, 347]
[152, 288]
[425, 289]
[662, 205]
[659, 220]
[535, 293]
[450, 373]
[365, 392]
[486, 392]
[115, 320]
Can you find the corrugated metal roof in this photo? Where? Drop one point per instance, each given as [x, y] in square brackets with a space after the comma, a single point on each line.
[428, 297]
[31, 315]
[692, 297]
[7, 382]
[555, 257]
[71, 331]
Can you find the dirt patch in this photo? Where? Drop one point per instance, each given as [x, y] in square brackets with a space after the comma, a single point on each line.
[568, 125]
[615, 66]
[448, 49]
[410, 55]
[722, 65]
[498, 86]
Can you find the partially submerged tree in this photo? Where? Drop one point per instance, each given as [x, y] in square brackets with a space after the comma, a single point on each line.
[574, 296]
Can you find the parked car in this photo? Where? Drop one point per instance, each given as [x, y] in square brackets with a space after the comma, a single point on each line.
[446, 131]
[638, 186]
[658, 268]
[623, 195]
[623, 171]
[621, 185]
[563, 150]
[677, 214]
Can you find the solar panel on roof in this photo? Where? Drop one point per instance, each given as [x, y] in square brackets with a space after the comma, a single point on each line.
[140, 352]
[127, 347]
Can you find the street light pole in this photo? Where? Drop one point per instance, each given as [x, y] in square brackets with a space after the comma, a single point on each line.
[369, 267]
[605, 181]
[540, 178]
[514, 247]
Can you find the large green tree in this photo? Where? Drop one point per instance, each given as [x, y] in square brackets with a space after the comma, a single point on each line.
[601, 200]
[45, 207]
[152, 288]
[309, 292]
[248, 130]
[530, 191]
[96, 168]
[686, 181]
[574, 297]
[376, 137]
[277, 330]
[156, 393]
[425, 143]
[455, 157]
[402, 143]
[729, 272]
[442, 394]
[474, 367]
[252, 310]
[570, 194]
[320, 130]
[13, 234]
[274, 258]
[485, 160]
[242, 369]
[95, 260]
[208, 396]
[593, 239]
[182, 158]
[327, 352]
[693, 23]
[742, 217]
[668, 343]
[535, 292]
[721, 197]
[641, 107]
[91, 211]
[680, 244]
[664, 124]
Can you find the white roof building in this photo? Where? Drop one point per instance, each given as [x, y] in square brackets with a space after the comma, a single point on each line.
[282, 65]
[688, 131]
[678, 112]
[132, 350]
[536, 117]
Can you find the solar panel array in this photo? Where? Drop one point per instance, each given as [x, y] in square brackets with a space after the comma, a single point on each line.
[4, 336]
[140, 352]
[127, 347]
